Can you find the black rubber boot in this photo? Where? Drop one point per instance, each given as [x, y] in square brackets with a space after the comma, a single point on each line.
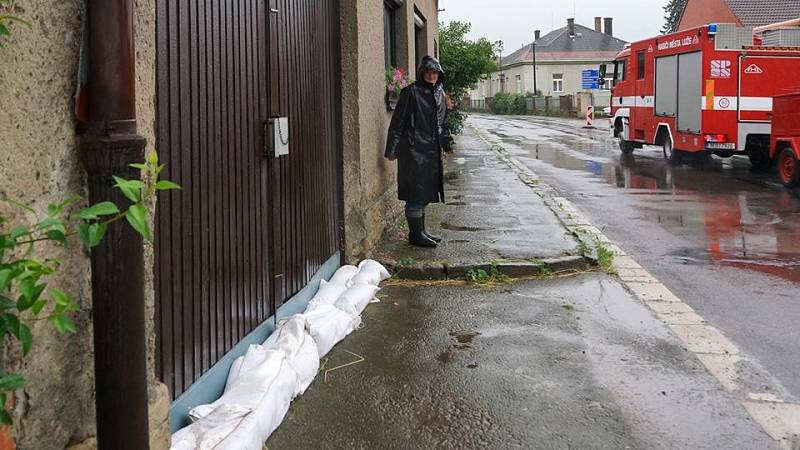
[436, 239]
[416, 236]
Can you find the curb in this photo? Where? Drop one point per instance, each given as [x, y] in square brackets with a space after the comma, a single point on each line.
[514, 269]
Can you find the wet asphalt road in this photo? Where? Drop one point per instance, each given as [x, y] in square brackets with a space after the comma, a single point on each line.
[725, 240]
[570, 363]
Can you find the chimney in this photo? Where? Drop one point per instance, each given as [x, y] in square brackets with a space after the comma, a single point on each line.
[609, 26]
[537, 34]
[571, 26]
[598, 24]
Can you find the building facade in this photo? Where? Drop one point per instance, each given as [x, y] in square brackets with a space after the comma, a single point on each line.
[250, 231]
[561, 58]
[748, 13]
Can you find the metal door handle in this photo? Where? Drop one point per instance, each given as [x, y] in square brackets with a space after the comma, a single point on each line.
[273, 10]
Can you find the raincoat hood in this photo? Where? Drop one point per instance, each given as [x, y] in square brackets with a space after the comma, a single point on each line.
[430, 63]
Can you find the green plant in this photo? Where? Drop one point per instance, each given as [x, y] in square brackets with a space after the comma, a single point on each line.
[7, 17]
[505, 103]
[407, 262]
[25, 293]
[605, 257]
[482, 276]
[456, 119]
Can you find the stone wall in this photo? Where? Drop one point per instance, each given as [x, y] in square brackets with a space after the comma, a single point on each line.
[39, 165]
[369, 179]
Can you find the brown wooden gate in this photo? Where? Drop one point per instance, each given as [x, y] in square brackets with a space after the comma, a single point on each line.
[247, 231]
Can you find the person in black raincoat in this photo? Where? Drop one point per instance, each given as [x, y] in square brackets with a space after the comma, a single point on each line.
[418, 134]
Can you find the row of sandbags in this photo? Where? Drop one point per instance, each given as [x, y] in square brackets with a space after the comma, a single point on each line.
[262, 383]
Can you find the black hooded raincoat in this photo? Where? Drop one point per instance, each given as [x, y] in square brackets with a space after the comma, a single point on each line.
[417, 135]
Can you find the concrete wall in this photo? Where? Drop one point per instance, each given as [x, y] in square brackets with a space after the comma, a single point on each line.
[40, 164]
[369, 179]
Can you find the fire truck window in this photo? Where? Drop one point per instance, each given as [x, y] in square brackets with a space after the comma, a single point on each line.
[619, 72]
[640, 64]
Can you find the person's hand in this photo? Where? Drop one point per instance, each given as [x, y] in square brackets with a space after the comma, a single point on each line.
[391, 158]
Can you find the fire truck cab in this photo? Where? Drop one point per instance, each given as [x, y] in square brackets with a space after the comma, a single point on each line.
[705, 90]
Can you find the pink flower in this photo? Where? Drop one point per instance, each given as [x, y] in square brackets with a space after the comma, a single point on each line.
[398, 76]
[391, 88]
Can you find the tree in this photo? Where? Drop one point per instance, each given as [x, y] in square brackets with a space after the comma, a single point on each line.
[674, 10]
[465, 62]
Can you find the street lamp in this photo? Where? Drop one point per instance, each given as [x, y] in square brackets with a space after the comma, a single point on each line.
[533, 47]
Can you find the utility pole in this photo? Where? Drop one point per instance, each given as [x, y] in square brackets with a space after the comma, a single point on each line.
[533, 46]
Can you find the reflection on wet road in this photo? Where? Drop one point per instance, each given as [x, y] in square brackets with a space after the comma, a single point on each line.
[725, 239]
[747, 220]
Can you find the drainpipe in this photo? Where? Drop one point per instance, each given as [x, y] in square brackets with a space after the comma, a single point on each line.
[108, 146]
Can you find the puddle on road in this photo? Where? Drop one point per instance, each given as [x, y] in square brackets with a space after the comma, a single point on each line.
[738, 218]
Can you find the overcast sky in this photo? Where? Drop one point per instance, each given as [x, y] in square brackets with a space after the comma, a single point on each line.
[513, 21]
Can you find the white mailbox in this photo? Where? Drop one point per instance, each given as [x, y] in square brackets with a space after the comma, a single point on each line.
[277, 137]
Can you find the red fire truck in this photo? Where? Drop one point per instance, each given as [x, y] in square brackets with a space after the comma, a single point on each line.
[785, 146]
[709, 89]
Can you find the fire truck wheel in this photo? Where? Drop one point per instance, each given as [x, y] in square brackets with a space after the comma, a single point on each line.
[670, 154]
[788, 168]
[626, 146]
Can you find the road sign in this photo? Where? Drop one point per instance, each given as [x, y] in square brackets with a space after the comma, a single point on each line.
[590, 79]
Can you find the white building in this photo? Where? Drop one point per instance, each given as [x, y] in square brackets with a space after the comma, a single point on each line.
[561, 57]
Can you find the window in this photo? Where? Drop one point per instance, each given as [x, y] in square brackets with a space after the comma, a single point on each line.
[389, 37]
[519, 84]
[620, 68]
[607, 83]
[420, 37]
[558, 82]
[640, 61]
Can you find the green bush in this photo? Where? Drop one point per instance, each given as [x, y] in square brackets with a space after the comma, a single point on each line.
[504, 103]
[456, 119]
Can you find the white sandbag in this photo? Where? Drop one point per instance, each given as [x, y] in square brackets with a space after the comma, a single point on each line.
[293, 339]
[343, 275]
[355, 299]
[233, 373]
[266, 390]
[252, 359]
[329, 325]
[328, 293]
[370, 272]
[216, 427]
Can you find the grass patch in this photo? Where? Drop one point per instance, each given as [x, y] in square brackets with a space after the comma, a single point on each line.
[492, 276]
[407, 262]
[605, 258]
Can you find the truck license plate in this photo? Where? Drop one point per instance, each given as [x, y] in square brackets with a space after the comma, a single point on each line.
[721, 146]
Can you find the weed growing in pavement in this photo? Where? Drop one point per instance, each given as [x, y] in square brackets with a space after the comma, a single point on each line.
[492, 276]
[605, 258]
[407, 262]
[568, 307]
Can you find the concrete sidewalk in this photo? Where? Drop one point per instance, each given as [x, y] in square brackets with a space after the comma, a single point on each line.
[567, 362]
[490, 215]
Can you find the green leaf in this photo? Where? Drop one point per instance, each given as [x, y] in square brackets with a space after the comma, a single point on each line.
[4, 30]
[160, 168]
[48, 223]
[27, 287]
[7, 303]
[21, 206]
[5, 279]
[5, 417]
[63, 324]
[12, 382]
[92, 234]
[130, 188]
[59, 296]
[56, 209]
[37, 307]
[19, 231]
[165, 185]
[151, 158]
[26, 338]
[57, 236]
[137, 217]
[95, 211]
[139, 166]
[11, 323]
